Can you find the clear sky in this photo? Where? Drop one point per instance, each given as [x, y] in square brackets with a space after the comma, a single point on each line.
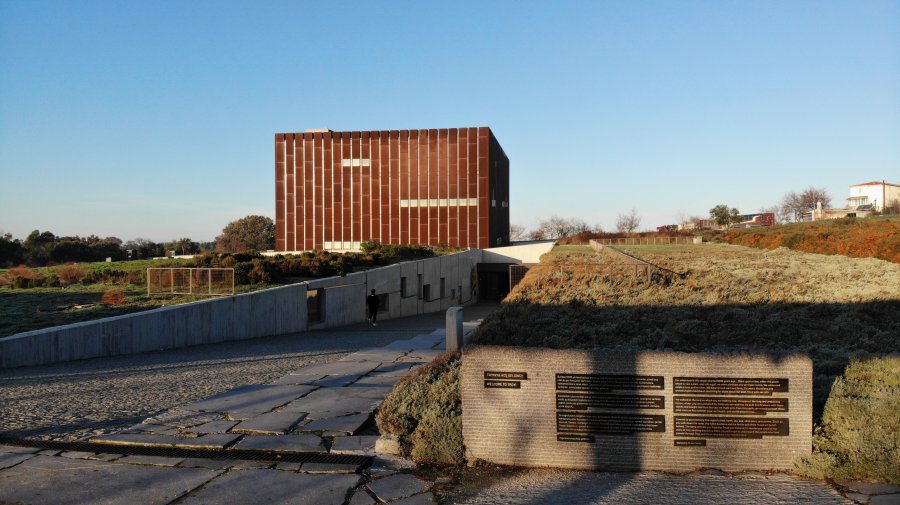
[156, 118]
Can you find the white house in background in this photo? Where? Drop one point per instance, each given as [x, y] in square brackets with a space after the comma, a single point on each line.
[875, 193]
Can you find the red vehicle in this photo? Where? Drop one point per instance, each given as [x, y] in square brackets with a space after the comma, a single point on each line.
[753, 220]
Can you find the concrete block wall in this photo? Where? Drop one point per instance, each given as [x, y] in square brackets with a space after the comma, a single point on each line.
[668, 411]
[262, 313]
[345, 296]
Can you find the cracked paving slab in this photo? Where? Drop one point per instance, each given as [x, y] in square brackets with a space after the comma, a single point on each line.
[213, 441]
[395, 487]
[282, 443]
[338, 426]
[61, 481]
[272, 423]
[329, 402]
[249, 487]
[259, 398]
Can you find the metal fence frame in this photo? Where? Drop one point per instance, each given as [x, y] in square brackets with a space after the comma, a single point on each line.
[647, 240]
[193, 289]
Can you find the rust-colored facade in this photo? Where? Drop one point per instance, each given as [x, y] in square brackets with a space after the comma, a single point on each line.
[334, 190]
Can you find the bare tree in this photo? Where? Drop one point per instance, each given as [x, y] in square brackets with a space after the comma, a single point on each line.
[794, 205]
[558, 227]
[517, 232]
[577, 226]
[538, 234]
[628, 223]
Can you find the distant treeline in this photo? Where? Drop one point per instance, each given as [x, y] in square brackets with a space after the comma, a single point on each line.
[46, 249]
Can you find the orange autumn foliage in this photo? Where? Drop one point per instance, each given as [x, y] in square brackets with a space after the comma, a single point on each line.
[857, 238]
[113, 297]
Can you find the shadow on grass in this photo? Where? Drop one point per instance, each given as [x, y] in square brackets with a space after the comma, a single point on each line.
[26, 310]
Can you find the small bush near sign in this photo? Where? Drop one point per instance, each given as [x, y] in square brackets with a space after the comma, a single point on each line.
[424, 411]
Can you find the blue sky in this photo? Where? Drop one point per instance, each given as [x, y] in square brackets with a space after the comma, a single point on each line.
[156, 119]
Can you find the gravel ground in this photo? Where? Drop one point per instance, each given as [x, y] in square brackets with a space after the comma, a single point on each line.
[75, 400]
[548, 486]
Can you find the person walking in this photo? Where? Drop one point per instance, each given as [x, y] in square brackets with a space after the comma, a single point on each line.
[372, 306]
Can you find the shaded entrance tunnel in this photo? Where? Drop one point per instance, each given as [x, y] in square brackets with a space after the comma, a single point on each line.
[496, 279]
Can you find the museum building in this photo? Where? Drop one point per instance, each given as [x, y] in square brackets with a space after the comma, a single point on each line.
[334, 190]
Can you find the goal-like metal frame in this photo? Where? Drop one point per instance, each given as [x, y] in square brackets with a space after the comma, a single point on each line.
[190, 281]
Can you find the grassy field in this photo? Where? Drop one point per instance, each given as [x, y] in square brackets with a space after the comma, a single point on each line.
[836, 309]
[42, 307]
[31, 309]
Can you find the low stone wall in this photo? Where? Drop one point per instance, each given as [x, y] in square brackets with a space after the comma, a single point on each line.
[666, 411]
[262, 313]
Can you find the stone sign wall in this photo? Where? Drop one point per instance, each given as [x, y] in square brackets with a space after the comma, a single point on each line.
[628, 411]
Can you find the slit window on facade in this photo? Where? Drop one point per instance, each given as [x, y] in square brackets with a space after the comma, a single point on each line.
[403, 293]
[426, 292]
[419, 287]
[443, 288]
[315, 305]
[382, 303]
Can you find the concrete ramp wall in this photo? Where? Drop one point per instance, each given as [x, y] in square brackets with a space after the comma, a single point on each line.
[274, 311]
[529, 253]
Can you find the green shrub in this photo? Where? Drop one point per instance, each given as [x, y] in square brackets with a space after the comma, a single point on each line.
[424, 411]
[260, 272]
[848, 444]
[393, 251]
[242, 272]
[51, 280]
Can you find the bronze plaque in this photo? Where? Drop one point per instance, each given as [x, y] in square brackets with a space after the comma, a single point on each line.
[584, 401]
[607, 382]
[731, 427]
[754, 386]
[503, 384]
[609, 424]
[733, 406]
[574, 438]
[506, 375]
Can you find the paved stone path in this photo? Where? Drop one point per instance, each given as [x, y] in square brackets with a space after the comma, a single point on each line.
[287, 395]
[314, 398]
[74, 400]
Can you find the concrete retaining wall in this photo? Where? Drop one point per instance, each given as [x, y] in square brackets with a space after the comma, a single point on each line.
[529, 253]
[273, 311]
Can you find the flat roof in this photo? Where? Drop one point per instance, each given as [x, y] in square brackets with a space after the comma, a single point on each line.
[875, 183]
